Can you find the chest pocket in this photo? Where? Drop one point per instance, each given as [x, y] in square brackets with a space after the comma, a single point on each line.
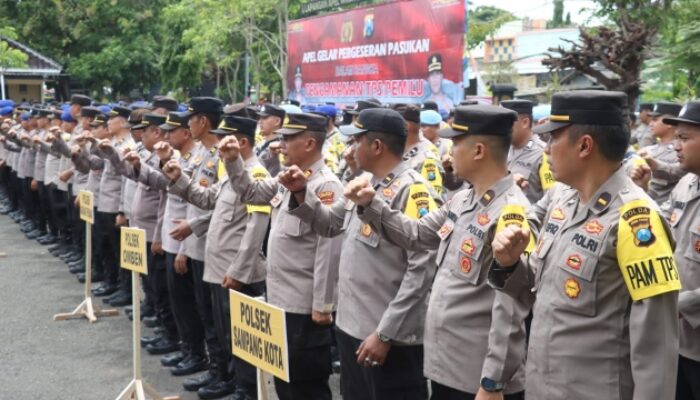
[367, 235]
[692, 252]
[465, 251]
[575, 277]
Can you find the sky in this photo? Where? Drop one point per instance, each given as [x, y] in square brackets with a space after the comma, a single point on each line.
[540, 9]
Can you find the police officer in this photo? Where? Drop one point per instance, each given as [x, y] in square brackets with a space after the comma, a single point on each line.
[683, 213]
[487, 360]
[661, 183]
[379, 331]
[302, 266]
[602, 280]
[526, 159]
[179, 276]
[642, 136]
[234, 240]
[271, 119]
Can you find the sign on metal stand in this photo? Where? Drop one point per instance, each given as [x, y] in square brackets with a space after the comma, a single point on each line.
[87, 308]
[133, 257]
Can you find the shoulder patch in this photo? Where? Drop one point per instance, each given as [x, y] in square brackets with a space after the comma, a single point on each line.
[220, 170]
[419, 202]
[546, 177]
[644, 252]
[327, 197]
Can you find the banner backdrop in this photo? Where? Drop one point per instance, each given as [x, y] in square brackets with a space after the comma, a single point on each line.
[405, 51]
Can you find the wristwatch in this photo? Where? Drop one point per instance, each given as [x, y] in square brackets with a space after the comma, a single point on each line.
[491, 386]
[383, 338]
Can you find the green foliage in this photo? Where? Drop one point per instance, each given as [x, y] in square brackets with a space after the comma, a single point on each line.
[484, 21]
[9, 57]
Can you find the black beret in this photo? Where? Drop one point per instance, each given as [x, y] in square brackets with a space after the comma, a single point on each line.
[271, 110]
[409, 112]
[166, 102]
[646, 106]
[377, 120]
[597, 107]
[150, 120]
[232, 124]
[430, 105]
[480, 120]
[90, 112]
[364, 105]
[174, 120]
[519, 106]
[204, 105]
[120, 111]
[689, 114]
[666, 108]
[299, 122]
[80, 100]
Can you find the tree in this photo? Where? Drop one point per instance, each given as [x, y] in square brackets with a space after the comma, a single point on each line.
[485, 21]
[614, 54]
[10, 57]
[557, 15]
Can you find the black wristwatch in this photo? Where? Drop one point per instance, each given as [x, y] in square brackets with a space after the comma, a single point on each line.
[491, 386]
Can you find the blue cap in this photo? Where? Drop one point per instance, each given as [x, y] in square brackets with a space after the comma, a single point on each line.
[25, 116]
[7, 110]
[308, 108]
[105, 109]
[182, 108]
[67, 117]
[327, 110]
[139, 104]
[430, 117]
[6, 103]
[291, 109]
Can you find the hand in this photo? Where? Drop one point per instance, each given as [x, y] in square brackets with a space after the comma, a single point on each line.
[641, 175]
[36, 139]
[509, 244]
[182, 230]
[34, 185]
[275, 148]
[121, 220]
[3, 139]
[105, 145]
[651, 161]
[293, 179]
[65, 175]
[521, 181]
[372, 352]
[24, 136]
[172, 170]
[157, 248]
[321, 318]
[360, 192]
[180, 265]
[229, 148]
[230, 283]
[349, 156]
[484, 395]
[133, 158]
[50, 137]
[447, 163]
[2, 163]
[163, 151]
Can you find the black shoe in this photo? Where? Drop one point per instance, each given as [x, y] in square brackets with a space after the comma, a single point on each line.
[190, 365]
[121, 301]
[45, 236]
[164, 346]
[244, 394]
[75, 257]
[216, 390]
[77, 269]
[48, 241]
[95, 277]
[159, 330]
[193, 384]
[68, 254]
[151, 322]
[81, 261]
[28, 227]
[119, 293]
[105, 290]
[33, 234]
[172, 359]
[147, 310]
[146, 340]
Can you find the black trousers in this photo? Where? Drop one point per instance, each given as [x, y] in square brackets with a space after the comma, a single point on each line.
[157, 282]
[78, 226]
[245, 374]
[15, 190]
[108, 242]
[309, 347]
[400, 378]
[5, 179]
[183, 307]
[46, 209]
[688, 384]
[30, 200]
[218, 358]
[58, 205]
[441, 392]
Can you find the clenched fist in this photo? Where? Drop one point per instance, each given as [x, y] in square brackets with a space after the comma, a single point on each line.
[229, 148]
[509, 244]
[133, 158]
[172, 170]
[163, 150]
[293, 179]
[360, 192]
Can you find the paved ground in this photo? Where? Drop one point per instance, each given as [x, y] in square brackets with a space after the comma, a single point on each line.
[76, 360]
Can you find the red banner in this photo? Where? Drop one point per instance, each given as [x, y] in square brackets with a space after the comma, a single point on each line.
[400, 52]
